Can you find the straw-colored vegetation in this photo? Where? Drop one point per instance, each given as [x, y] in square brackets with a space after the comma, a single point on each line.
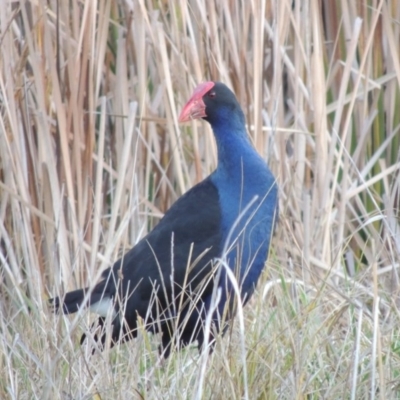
[91, 155]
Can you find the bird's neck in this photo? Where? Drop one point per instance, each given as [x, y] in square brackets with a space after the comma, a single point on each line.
[241, 173]
[234, 150]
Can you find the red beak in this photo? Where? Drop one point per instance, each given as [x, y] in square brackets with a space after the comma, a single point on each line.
[195, 107]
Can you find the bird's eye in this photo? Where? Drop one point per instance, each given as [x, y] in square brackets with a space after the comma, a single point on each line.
[212, 94]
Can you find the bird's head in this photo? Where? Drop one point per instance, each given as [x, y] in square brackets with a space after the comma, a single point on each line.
[214, 102]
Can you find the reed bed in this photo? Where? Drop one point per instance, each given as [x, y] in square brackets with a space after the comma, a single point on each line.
[91, 156]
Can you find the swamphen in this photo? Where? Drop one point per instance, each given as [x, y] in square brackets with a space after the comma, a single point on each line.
[168, 278]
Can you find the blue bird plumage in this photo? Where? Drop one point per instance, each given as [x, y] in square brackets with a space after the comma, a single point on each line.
[168, 278]
[242, 178]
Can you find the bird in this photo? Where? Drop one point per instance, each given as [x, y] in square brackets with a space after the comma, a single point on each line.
[177, 276]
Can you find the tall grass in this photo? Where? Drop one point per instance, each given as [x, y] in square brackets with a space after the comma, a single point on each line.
[91, 156]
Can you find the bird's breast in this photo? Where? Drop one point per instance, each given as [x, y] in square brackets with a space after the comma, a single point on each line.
[248, 202]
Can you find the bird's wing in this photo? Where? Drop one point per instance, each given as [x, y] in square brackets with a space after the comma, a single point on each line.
[179, 249]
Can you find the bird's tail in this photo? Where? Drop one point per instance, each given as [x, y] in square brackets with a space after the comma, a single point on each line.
[69, 303]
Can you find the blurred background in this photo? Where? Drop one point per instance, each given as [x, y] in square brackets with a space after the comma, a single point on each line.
[91, 156]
